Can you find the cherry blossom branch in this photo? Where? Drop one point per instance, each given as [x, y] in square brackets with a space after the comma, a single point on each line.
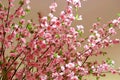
[14, 60]
[3, 41]
[92, 50]
[4, 33]
[18, 67]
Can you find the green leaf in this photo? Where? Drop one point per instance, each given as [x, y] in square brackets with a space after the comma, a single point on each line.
[4, 73]
[110, 25]
[91, 71]
[12, 26]
[21, 2]
[1, 62]
[49, 73]
[104, 53]
[55, 55]
[22, 17]
[27, 10]
[29, 27]
[57, 36]
[118, 14]
[97, 78]
[77, 16]
[40, 38]
[48, 17]
[61, 52]
[17, 36]
[76, 65]
[80, 77]
[98, 18]
[1, 5]
[109, 62]
[63, 23]
[20, 24]
[76, 9]
[12, 51]
[80, 32]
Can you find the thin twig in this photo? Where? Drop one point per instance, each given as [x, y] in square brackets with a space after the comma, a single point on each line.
[18, 67]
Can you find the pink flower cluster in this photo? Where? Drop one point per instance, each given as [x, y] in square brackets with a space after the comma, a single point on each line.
[52, 49]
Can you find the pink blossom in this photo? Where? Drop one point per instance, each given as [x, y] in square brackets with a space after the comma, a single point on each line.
[22, 21]
[76, 3]
[74, 78]
[74, 32]
[69, 10]
[53, 6]
[23, 40]
[27, 1]
[70, 1]
[53, 20]
[28, 7]
[116, 41]
[11, 4]
[113, 71]
[80, 27]
[7, 44]
[62, 68]
[7, 30]
[44, 22]
[83, 71]
[50, 15]
[13, 54]
[70, 65]
[20, 12]
[86, 47]
[62, 15]
[106, 42]
[55, 74]
[95, 25]
[79, 63]
[52, 49]
[118, 19]
[112, 30]
[11, 0]
[71, 74]
[80, 17]
[19, 73]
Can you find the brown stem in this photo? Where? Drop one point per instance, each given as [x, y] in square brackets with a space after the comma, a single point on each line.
[18, 9]
[92, 50]
[17, 68]
[14, 60]
[4, 33]
[8, 13]
[3, 46]
[15, 50]
[52, 59]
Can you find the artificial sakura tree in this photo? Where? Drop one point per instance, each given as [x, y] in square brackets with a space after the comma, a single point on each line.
[52, 49]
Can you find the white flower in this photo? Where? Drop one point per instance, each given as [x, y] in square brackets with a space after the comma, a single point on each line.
[50, 15]
[79, 63]
[74, 78]
[113, 62]
[27, 1]
[76, 1]
[70, 65]
[79, 27]
[62, 68]
[28, 7]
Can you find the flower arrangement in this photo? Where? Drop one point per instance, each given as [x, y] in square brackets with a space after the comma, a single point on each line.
[52, 49]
